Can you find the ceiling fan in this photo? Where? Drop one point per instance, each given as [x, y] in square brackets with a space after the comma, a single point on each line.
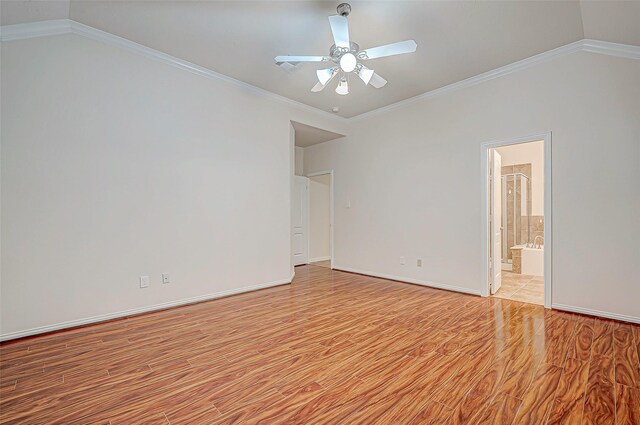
[345, 56]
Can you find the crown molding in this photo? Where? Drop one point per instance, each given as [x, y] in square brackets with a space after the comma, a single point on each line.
[34, 29]
[585, 45]
[64, 26]
[612, 49]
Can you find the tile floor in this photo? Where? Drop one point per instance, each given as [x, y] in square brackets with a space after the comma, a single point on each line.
[520, 287]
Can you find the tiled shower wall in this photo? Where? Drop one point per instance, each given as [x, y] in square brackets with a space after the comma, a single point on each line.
[537, 228]
[537, 222]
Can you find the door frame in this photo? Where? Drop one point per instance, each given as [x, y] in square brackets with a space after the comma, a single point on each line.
[485, 195]
[331, 204]
[492, 219]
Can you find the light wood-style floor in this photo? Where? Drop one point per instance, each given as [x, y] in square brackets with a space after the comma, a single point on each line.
[332, 348]
[325, 263]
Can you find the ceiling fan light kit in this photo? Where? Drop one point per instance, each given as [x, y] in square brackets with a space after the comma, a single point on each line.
[343, 86]
[346, 56]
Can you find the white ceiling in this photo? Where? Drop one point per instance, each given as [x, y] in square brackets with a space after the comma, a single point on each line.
[308, 136]
[456, 39]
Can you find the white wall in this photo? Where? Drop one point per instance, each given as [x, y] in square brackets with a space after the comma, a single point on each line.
[320, 217]
[412, 176]
[529, 153]
[115, 166]
[299, 158]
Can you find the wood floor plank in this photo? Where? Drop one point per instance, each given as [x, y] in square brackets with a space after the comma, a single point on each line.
[454, 391]
[332, 348]
[433, 413]
[537, 401]
[501, 411]
[627, 405]
[600, 404]
[410, 391]
[602, 338]
[569, 400]
[477, 400]
[599, 407]
[281, 410]
[580, 345]
[627, 363]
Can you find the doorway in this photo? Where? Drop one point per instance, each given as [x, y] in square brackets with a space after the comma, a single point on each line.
[311, 199]
[313, 219]
[321, 218]
[517, 218]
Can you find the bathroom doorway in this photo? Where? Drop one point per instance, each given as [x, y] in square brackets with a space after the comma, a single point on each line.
[517, 176]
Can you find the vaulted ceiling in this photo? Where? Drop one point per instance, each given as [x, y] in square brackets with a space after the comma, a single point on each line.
[456, 39]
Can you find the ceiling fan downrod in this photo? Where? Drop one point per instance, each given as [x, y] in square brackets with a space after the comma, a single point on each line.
[344, 9]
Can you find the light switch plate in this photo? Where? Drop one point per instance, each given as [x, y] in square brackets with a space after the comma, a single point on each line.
[165, 278]
[144, 281]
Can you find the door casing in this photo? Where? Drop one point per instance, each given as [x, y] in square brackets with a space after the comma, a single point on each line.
[496, 214]
[548, 211]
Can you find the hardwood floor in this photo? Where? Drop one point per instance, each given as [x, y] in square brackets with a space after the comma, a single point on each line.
[325, 263]
[331, 348]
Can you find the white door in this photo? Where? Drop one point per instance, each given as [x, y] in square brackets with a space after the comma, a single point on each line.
[300, 221]
[496, 221]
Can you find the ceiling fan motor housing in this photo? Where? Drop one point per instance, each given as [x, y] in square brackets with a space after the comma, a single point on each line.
[344, 9]
[337, 52]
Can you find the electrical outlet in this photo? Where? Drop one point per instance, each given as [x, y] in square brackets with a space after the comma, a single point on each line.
[144, 281]
[419, 262]
[402, 261]
[165, 278]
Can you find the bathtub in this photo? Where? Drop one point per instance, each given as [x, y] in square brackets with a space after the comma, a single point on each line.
[532, 260]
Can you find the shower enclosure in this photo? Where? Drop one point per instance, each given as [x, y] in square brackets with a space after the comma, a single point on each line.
[516, 212]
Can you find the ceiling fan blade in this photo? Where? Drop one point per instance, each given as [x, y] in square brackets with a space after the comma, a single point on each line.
[407, 46]
[302, 58]
[365, 74]
[340, 30]
[318, 87]
[377, 81]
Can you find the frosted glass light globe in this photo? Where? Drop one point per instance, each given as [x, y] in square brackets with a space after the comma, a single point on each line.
[348, 62]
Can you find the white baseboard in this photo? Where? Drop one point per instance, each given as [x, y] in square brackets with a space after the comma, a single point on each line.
[410, 280]
[315, 260]
[139, 310]
[598, 313]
